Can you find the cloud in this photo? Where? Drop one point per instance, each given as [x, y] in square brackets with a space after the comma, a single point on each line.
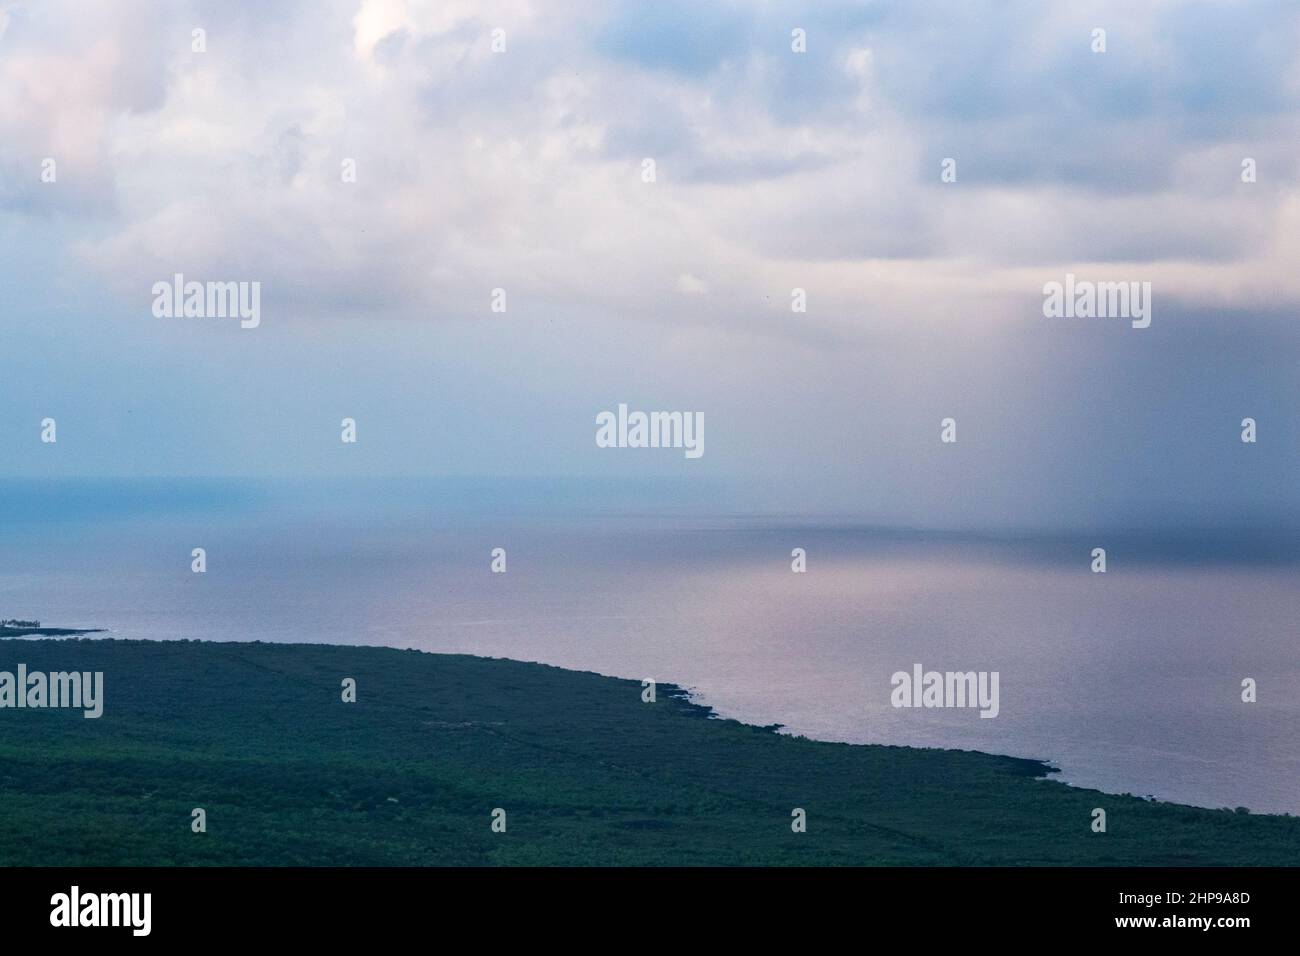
[521, 169]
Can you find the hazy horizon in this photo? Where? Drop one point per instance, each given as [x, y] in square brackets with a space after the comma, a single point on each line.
[62, 499]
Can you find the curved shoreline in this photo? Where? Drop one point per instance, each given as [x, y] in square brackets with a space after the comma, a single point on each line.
[692, 701]
[290, 774]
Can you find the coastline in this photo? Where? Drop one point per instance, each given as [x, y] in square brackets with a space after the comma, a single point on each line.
[257, 734]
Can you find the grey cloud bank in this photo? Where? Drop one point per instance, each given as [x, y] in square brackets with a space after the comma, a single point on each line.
[521, 170]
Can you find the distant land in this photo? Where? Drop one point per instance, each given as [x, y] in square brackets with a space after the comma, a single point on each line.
[258, 736]
[14, 628]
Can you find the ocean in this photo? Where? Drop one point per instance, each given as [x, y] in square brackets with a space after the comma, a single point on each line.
[1128, 681]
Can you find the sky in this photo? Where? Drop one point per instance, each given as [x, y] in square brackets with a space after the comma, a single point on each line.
[523, 168]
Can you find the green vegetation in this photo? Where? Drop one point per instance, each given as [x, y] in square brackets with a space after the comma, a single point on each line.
[289, 774]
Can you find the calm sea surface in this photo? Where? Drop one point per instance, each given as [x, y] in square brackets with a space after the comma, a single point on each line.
[1128, 681]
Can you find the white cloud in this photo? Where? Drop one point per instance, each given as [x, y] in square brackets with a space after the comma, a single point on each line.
[477, 170]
